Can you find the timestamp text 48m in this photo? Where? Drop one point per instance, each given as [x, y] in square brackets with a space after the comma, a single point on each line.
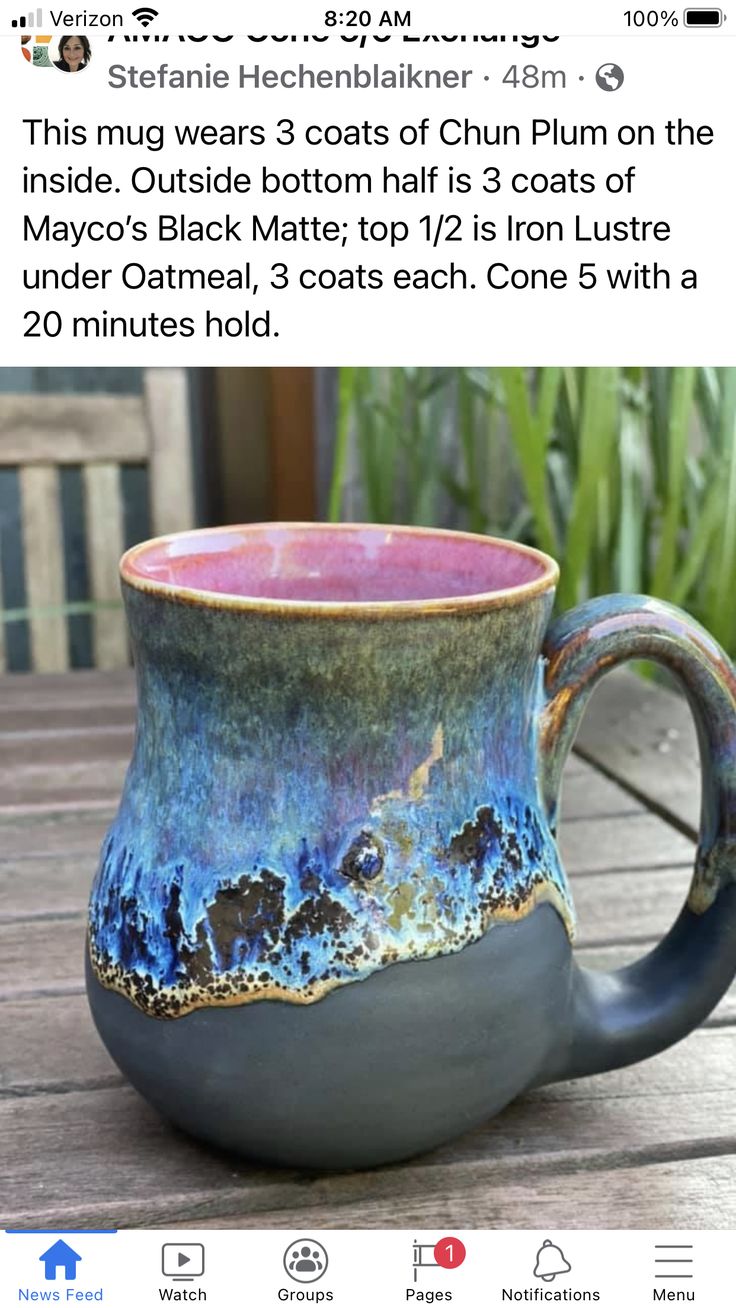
[528, 77]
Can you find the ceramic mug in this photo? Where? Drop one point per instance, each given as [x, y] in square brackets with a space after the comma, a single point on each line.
[330, 927]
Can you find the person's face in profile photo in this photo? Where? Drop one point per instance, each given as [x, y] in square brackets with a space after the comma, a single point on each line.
[74, 54]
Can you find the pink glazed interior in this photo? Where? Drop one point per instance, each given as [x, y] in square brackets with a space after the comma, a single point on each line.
[328, 564]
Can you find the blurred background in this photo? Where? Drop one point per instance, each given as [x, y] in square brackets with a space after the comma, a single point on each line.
[626, 475]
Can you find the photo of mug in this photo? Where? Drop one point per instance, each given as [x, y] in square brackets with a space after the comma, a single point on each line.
[330, 927]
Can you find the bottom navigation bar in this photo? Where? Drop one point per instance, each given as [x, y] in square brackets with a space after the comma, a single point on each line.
[262, 1269]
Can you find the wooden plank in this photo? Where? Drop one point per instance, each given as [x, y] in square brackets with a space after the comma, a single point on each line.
[59, 1146]
[588, 794]
[52, 769]
[43, 955]
[40, 810]
[50, 1046]
[642, 736]
[104, 518]
[101, 722]
[54, 833]
[71, 429]
[692, 1194]
[51, 885]
[75, 691]
[635, 840]
[54, 749]
[85, 783]
[3, 661]
[292, 430]
[628, 906]
[171, 484]
[43, 552]
[80, 1134]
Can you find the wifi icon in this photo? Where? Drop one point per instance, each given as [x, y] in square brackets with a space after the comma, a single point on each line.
[145, 15]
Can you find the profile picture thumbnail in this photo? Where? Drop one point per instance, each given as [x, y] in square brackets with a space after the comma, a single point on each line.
[36, 50]
[69, 53]
[74, 54]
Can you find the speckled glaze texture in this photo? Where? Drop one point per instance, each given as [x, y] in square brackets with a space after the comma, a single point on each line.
[313, 798]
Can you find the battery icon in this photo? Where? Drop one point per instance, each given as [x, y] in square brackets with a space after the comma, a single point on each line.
[703, 17]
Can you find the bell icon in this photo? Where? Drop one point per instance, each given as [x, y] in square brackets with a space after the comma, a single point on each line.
[551, 1262]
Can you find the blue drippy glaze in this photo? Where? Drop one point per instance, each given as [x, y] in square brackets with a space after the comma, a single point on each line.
[298, 924]
[312, 800]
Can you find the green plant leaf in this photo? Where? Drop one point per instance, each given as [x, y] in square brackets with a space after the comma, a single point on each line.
[597, 438]
[345, 393]
[679, 418]
[724, 621]
[530, 436]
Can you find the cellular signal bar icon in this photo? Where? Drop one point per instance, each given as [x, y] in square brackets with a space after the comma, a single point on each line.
[33, 20]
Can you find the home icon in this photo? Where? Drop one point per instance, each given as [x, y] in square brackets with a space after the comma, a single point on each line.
[60, 1255]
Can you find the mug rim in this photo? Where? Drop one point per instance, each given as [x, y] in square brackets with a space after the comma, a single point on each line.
[503, 597]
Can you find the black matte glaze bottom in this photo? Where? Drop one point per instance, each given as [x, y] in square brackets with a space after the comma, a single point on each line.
[375, 1072]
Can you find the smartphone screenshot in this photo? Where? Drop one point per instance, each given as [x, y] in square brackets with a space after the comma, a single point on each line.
[367, 638]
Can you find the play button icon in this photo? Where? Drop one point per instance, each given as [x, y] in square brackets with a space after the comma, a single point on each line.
[183, 1261]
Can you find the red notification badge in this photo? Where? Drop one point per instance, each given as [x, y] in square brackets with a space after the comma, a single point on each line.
[449, 1252]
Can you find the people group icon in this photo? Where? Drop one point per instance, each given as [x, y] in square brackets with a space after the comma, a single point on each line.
[305, 1260]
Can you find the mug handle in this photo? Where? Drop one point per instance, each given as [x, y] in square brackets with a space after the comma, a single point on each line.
[620, 1017]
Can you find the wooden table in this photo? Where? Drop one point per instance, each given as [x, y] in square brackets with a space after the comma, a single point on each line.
[648, 1147]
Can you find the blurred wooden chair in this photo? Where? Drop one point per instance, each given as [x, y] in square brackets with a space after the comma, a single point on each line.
[39, 434]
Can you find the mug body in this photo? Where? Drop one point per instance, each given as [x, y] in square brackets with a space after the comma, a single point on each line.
[329, 927]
